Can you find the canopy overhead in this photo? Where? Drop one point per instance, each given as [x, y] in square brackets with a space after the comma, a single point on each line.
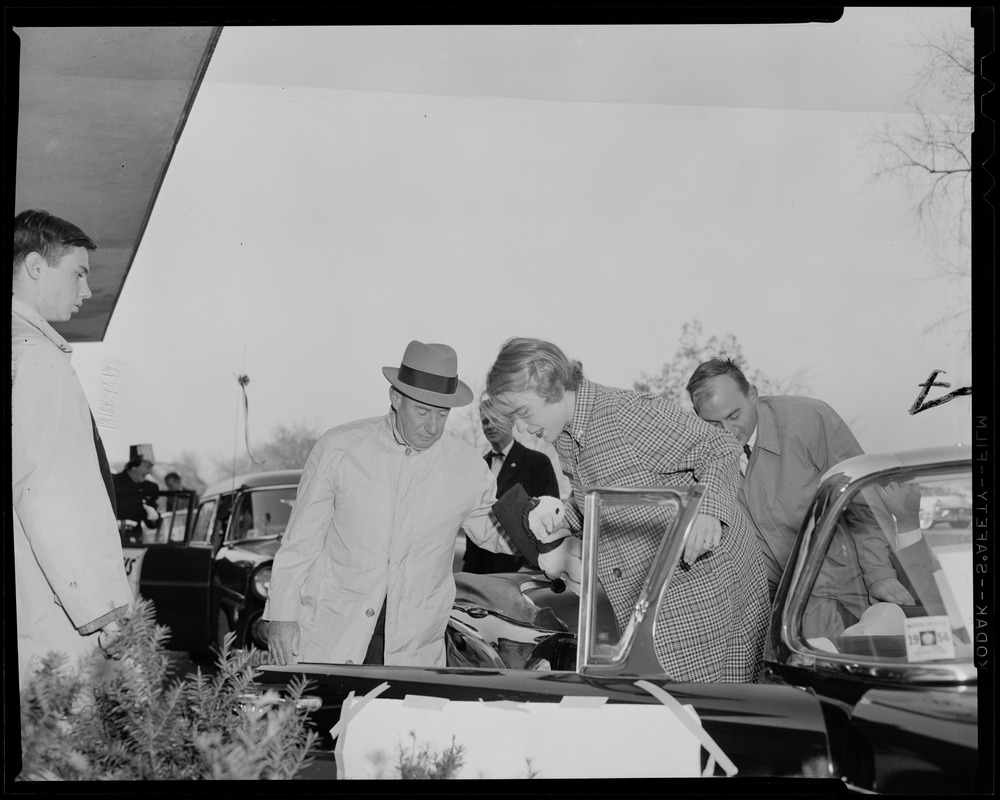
[100, 111]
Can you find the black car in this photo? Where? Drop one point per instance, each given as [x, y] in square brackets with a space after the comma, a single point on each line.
[214, 578]
[887, 702]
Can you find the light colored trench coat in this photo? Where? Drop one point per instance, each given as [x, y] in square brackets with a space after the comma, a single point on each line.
[375, 519]
[69, 575]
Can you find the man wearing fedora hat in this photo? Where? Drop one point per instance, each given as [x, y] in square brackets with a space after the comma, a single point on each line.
[136, 495]
[364, 570]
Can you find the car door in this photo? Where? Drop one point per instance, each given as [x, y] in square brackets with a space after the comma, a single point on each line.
[176, 577]
[898, 682]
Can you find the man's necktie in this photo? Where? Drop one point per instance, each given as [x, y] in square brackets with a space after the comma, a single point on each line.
[495, 461]
[746, 449]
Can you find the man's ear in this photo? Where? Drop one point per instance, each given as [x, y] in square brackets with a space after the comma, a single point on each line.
[394, 396]
[33, 263]
[753, 394]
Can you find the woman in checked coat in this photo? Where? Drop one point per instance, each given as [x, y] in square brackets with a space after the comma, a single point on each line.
[711, 623]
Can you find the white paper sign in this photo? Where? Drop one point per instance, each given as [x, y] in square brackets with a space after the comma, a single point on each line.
[956, 563]
[517, 740]
[133, 566]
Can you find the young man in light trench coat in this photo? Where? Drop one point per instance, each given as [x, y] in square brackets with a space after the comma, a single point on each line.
[70, 580]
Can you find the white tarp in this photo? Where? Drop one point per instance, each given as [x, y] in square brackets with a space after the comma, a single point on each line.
[579, 737]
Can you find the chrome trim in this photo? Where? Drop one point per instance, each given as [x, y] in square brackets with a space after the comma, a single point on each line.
[870, 464]
[258, 592]
[253, 702]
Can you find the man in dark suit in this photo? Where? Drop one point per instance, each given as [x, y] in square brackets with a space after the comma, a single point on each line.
[512, 463]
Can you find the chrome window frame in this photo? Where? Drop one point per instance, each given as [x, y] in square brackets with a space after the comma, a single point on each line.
[635, 646]
[837, 489]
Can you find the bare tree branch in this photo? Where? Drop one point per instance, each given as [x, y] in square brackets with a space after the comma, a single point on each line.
[931, 155]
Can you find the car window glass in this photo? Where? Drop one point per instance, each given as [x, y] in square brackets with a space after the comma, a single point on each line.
[202, 524]
[221, 521]
[262, 513]
[895, 583]
[173, 520]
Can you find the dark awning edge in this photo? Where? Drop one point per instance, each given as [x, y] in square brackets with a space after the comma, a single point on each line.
[195, 86]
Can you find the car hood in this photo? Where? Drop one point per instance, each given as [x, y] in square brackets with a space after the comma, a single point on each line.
[262, 547]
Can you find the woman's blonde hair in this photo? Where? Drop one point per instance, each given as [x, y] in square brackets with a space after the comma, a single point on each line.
[526, 364]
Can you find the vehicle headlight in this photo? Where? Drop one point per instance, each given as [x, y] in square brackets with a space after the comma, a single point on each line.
[260, 582]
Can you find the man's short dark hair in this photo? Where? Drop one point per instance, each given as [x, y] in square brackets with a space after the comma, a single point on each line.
[49, 236]
[713, 368]
[171, 476]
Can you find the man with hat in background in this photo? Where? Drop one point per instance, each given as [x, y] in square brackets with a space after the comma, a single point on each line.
[136, 495]
[364, 571]
[70, 582]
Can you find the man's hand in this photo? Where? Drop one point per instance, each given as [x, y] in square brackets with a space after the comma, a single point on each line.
[152, 515]
[283, 642]
[106, 635]
[564, 562]
[547, 520]
[890, 590]
[706, 534]
[903, 502]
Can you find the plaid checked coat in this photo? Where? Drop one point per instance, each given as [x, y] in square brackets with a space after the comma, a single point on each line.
[712, 621]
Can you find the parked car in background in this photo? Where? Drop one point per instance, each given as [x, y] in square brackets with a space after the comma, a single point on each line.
[886, 703]
[211, 577]
[208, 569]
[949, 504]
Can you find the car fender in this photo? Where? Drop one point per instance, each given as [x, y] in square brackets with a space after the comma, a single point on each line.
[921, 741]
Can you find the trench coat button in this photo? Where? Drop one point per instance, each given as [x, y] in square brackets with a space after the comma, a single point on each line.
[616, 572]
[370, 612]
[72, 585]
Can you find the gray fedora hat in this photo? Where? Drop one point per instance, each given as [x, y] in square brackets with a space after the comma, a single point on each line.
[428, 373]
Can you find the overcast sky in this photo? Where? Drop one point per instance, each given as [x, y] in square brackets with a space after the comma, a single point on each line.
[339, 191]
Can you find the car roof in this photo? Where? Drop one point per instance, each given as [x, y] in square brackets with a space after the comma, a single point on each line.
[254, 480]
[871, 463]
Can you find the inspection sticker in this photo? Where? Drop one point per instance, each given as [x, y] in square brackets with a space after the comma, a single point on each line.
[929, 639]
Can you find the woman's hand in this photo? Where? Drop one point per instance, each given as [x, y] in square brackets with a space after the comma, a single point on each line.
[705, 536]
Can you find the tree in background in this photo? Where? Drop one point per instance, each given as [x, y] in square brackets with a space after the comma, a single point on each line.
[188, 466]
[692, 350]
[931, 154]
[465, 423]
[288, 448]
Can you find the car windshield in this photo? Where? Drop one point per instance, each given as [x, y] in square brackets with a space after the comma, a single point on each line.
[895, 584]
[262, 513]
